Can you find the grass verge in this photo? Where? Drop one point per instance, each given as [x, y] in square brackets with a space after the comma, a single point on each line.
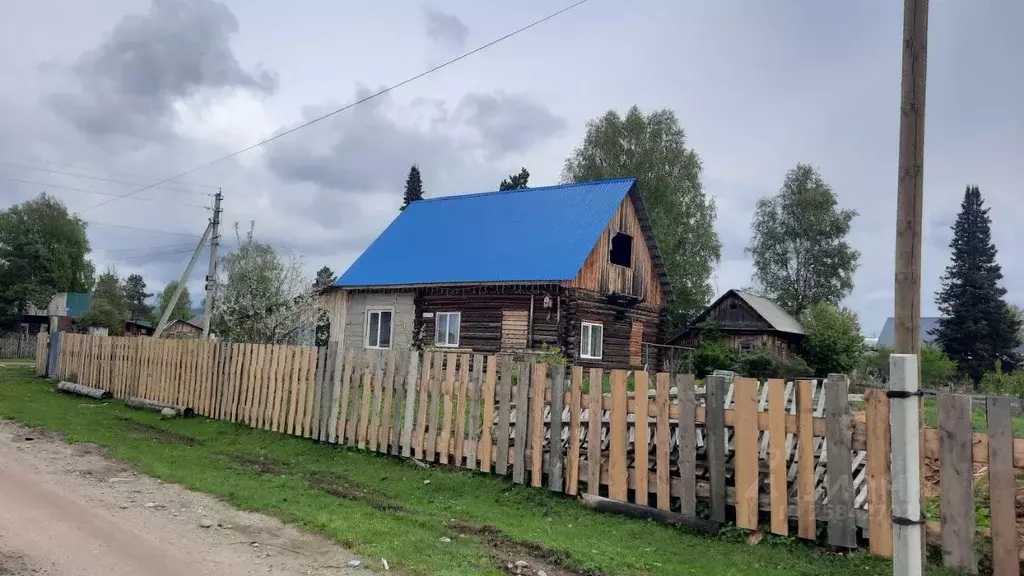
[979, 420]
[382, 507]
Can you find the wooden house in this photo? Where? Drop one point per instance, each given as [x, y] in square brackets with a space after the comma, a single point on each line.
[574, 267]
[184, 329]
[748, 322]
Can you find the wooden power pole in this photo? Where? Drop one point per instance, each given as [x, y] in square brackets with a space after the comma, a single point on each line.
[910, 192]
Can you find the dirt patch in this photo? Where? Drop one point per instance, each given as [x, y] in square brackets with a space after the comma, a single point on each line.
[338, 486]
[157, 433]
[33, 434]
[509, 555]
[13, 565]
[262, 464]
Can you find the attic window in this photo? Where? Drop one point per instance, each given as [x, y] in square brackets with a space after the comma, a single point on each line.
[621, 253]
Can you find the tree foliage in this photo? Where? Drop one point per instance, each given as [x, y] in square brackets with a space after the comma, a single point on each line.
[42, 253]
[109, 307]
[182, 308]
[832, 341]
[516, 181]
[976, 327]
[413, 187]
[936, 368]
[799, 243]
[325, 278]
[263, 297]
[135, 295]
[653, 148]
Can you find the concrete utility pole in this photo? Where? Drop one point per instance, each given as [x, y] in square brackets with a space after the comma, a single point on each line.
[211, 273]
[910, 192]
[181, 283]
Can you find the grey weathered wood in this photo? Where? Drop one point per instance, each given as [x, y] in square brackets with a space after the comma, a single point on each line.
[435, 406]
[1001, 487]
[473, 433]
[842, 527]
[412, 379]
[332, 393]
[504, 392]
[686, 433]
[715, 429]
[556, 459]
[395, 432]
[956, 481]
[318, 390]
[522, 434]
[144, 404]
[648, 513]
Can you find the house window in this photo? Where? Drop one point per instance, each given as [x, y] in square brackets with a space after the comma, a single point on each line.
[378, 328]
[621, 253]
[446, 332]
[591, 341]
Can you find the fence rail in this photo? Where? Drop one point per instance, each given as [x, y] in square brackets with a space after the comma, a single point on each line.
[788, 454]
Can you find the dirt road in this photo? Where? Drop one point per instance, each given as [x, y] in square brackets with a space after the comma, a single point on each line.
[66, 510]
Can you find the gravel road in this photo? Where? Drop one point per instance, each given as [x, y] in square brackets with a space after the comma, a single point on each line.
[66, 510]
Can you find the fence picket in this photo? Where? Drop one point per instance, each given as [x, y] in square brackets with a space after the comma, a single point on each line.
[369, 377]
[436, 384]
[384, 426]
[447, 390]
[348, 366]
[572, 466]
[715, 443]
[411, 378]
[641, 436]
[806, 524]
[503, 437]
[419, 437]
[556, 458]
[842, 531]
[745, 454]
[461, 386]
[475, 398]
[879, 475]
[538, 385]
[778, 488]
[595, 415]
[522, 393]
[617, 470]
[309, 391]
[1002, 488]
[956, 479]
[686, 437]
[663, 487]
[401, 374]
[375, 401]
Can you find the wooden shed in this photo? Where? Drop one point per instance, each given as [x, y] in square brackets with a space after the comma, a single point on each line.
[748, 322]
[574, 267]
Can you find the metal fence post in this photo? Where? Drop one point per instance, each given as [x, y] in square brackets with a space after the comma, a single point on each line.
[907, 521]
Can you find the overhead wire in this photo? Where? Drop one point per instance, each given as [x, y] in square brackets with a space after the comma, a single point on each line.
[129, 227]
[346, 107]
[97, 192]
[109, 172]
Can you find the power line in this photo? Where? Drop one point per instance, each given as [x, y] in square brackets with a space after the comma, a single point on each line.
[87, 191]
[346, 107]
[98, 178]
[137, 249]
[153, 254]
[93, 222]
[101, 171]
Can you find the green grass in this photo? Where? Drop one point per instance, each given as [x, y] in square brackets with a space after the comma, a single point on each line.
[383, 507]
[978, 419]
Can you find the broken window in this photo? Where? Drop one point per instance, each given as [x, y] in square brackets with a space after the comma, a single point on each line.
[621, 253]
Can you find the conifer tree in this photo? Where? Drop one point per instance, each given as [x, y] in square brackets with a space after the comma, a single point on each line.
[413, 187]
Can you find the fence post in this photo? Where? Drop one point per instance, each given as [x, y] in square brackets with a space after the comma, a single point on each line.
[53, 352]
[907, 522]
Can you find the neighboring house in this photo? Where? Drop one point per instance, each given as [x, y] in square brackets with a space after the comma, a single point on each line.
[191, 328]
[574, 266]
[748, 322]
[57, 316]
[885, 337]
[138, 328]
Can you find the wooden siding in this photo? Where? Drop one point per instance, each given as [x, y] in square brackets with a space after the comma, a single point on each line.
[600, 275]
[732, 313]
[784, 345]
[403, 312]
[515, 328]
[617, 323]
[483, 313]
[636, 337]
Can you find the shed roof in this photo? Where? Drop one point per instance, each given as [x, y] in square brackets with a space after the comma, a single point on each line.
[522, 236]
[771, 312]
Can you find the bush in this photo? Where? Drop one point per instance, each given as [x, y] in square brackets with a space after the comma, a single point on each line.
[714, 355]
[833, 342]
[937, 369]
[767, 364]
[999, 383]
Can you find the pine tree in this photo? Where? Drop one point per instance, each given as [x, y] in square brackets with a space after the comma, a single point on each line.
[977, 328]
[516, 181]
[325, 278]
[413, 187]
[134, 289]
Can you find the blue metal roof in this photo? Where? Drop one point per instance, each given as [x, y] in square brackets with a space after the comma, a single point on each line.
[528, 235]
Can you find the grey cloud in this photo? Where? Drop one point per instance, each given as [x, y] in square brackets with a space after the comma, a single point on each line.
[508, 123]
[445, 28]
[128, 84]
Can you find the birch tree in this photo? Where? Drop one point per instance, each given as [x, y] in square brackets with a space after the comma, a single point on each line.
[262, 296]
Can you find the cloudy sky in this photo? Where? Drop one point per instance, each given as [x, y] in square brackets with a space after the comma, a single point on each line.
[135, 91]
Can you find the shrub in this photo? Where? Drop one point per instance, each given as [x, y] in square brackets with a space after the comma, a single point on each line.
[714, 355]
[551, 355]
[999, 383]
[937, 369]
[767, 364]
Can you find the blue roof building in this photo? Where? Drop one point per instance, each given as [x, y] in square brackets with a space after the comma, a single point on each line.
[574, 266]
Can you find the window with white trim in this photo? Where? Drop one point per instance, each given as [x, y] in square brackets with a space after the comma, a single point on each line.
[378, 328]
[446, 329]
[591, 341]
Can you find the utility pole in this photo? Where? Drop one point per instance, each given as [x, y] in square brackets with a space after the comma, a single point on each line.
[181, 283]
[908, 529]
[211, 273]
[910, 191]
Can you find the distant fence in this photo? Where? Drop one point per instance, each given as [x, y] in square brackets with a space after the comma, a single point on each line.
[18, 345]
[789, 455]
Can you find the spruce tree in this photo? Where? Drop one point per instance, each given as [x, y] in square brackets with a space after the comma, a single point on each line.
[413, 187]
[976, 328]
[516, 181]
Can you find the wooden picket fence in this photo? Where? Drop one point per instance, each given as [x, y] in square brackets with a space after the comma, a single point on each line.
[17, 345]
[785, 454]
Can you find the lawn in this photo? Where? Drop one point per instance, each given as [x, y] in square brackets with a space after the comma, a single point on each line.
[979, 421]
[382, 507]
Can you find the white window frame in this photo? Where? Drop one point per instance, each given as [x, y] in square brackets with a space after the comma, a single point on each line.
[448, 319]
[585, 343]
[366, 327]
